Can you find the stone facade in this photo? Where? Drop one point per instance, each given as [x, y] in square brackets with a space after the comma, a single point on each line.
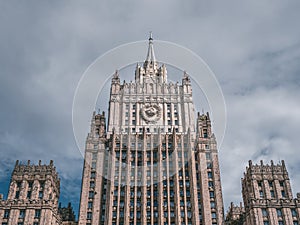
[33, 196]
[155, 163]
[267, 197]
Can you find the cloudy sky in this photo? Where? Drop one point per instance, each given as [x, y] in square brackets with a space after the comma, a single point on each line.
[253, 47]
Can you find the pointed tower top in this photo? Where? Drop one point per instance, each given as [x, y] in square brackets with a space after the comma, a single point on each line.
[150, 37]
[150, 54]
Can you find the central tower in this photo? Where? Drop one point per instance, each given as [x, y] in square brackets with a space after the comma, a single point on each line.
[154, 163]
[151, 102]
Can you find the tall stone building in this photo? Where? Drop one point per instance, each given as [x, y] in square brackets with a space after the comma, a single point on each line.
[33, 196]
[267, 196]
[156, 162]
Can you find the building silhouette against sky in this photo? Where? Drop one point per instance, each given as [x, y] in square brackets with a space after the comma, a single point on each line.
[153, 161]
[156, 162]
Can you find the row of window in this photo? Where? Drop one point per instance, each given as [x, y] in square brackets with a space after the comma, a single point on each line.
[260, 183]
[30, 184]
[272, 194]
[21, 223]
[154, 153]
[280, 222]
[168, 107]
[279, 212]
[134, 130]
[140, 144]
[37, 213]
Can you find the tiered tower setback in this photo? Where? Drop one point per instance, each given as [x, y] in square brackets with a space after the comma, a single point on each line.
[155, 163]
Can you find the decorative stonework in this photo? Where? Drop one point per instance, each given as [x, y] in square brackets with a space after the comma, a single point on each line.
[150, 113]
[151, 122]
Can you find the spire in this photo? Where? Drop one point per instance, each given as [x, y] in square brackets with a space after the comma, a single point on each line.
[150, 55]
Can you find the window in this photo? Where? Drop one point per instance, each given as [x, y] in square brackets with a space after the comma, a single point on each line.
[19, 183]
[205, 133]
[264, 212]
[89, 215]
[295, 223]
[266, 222]
[30, 184]
[182, 214]
[165, 214]
[279, 212]
[209, 174]
[208, 156]
[261, 194]
[91, 194]
[92, 184]
[37, 213]
[22, 214]
[90, 205]
[212, 205]
[211, 194]
[6, 213]
[270, 183]
[17, 194]
[40, 194]
[272, 193]
[283, 194]
[294, 212]
[93, 175]
[213, 215]
[20, 223]
[209, 165]
[42, 184]
[280, 223]
[35, 223]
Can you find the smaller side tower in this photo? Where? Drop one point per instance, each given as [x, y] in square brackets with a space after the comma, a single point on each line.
[268, 197]
[33, 196]
[235, 215]
[209, 188]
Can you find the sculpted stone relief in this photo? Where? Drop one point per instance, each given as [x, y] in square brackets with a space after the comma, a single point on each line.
[150, 112]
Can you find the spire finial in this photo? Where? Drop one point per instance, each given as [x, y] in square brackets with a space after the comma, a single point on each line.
[150, 54]
[150, 36]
